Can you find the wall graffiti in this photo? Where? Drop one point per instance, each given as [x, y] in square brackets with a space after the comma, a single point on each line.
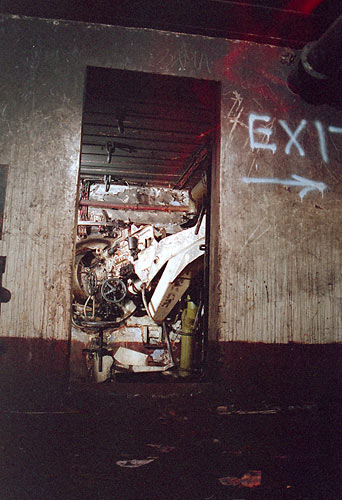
[266, 132]
[185, 60]
[306, 185]
[260, 136]
[293, 136]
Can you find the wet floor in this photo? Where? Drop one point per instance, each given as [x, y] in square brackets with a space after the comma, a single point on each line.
[168, 442]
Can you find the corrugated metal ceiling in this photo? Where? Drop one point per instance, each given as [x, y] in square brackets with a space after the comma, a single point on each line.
[145, 128]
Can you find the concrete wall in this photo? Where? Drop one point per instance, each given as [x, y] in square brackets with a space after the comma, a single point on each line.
[279, 253]
[275, 253]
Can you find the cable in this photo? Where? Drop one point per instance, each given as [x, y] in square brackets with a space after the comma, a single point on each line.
[143, 289]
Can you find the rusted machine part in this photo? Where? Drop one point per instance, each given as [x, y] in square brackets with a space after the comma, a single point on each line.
[85, 190]
[135, 206]
[82, 248]
[199, 190]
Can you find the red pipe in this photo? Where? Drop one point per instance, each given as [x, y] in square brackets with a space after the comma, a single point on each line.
[135, 206]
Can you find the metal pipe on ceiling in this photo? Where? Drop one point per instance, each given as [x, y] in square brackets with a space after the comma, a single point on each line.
[316, 71]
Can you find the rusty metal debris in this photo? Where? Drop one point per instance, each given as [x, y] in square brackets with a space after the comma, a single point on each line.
[132, 464]
[223, 410]
[251, 479]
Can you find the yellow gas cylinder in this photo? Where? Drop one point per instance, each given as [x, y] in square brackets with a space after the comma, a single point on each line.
[188, 340]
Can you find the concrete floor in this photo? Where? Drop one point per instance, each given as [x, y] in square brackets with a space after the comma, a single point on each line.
[168, 441]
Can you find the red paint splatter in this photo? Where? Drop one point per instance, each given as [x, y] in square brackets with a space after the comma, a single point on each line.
[207, 132]
[260, 82]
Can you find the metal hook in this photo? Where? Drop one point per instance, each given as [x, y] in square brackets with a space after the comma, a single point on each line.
[121, 127]
[110, 150]
[107, 181]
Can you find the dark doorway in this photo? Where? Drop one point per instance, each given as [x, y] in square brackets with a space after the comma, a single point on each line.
[141, 270]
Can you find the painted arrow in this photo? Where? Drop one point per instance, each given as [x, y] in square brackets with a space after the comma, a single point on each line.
[307, 185]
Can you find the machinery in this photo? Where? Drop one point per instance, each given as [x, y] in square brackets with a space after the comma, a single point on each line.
[146, 156]
[133, 287]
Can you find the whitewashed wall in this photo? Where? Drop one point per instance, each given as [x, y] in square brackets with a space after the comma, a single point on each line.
[279, 253]
[276, 260]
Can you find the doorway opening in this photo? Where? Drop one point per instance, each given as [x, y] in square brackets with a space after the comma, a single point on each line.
[141, 271]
